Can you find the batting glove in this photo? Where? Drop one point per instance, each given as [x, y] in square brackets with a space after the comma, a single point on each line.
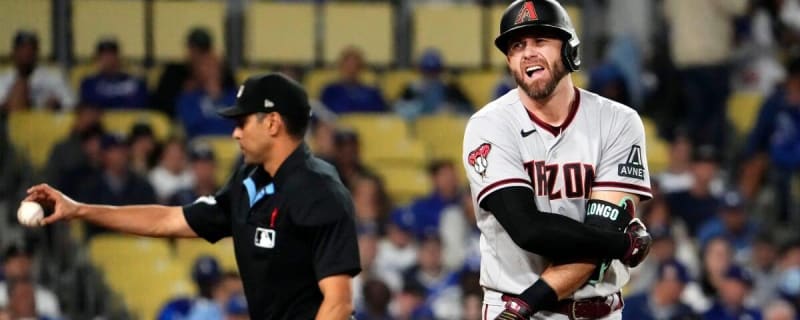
[640, 242]
[516, 309]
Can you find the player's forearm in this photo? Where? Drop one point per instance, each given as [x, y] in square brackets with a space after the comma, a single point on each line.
[567, 278]
[144, 220]
[330, 310]
[551, 235]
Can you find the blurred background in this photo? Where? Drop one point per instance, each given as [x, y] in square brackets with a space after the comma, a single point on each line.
[112, 101]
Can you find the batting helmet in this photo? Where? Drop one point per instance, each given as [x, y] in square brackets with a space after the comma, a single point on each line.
[540, 14]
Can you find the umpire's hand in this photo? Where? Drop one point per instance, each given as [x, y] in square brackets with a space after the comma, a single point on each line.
[62, 206]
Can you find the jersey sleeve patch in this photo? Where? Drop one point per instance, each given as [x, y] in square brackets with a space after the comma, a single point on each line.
[478, 158]
[633, 166]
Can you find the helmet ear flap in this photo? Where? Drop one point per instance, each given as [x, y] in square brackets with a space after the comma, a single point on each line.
[570, 55]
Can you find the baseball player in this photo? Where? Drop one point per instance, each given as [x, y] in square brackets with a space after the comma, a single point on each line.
[556, 173]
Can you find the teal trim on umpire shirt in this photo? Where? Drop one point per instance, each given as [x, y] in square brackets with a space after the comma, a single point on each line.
[254, 195]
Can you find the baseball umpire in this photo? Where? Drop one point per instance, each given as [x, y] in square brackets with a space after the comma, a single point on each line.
[290, 217]
[543, 158]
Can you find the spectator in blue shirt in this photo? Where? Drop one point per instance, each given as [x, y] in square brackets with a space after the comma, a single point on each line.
[428, 210]
[349, 93]
[431, 93]
[776, 134]
[732, 223]
[197, 107]
[734, 288]
[111, 87]
[697, 205]
[663, 300]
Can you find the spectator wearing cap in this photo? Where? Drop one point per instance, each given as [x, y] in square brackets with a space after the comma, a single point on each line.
[734, 289]
[203, 165]
[698, 205]
[397, 251]
[111, 87]
[18, 267]
[143, 145]
[29, 85]
[733, 223]
[115, 183]
[201, 71]
[663, 300]
[172, 172]
[431, 93]
[775, 140]
[211, 300]
[207, 277]
[349, 93]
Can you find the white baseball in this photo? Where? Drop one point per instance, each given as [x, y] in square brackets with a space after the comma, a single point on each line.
[30, 214]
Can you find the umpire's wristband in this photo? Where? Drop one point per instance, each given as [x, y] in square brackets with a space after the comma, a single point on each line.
[539, 296]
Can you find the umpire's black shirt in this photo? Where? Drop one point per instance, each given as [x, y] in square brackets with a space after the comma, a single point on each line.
[289, 232]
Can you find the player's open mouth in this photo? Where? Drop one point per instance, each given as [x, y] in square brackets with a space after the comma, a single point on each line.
[533, 69]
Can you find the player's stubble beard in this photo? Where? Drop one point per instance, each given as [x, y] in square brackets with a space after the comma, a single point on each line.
[538, 91]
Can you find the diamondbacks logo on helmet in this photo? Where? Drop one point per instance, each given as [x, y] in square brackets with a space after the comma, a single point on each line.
[527, 13]
[478, 158]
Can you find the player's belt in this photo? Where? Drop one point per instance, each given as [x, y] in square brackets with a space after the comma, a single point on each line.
[589, 308]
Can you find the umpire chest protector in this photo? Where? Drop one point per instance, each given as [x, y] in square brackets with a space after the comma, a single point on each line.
[528, 15]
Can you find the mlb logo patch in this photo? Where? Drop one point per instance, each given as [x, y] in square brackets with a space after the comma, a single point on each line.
[265, 238]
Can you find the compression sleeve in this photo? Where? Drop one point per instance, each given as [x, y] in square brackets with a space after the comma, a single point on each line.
[550, 235]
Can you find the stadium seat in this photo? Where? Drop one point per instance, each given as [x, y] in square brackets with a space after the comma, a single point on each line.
[393, 83]
[243, 73]
[479, 85]
[226, 151]
[266, 36]
[397, 152]
[173, 19]
[36, 132]
[94, 19]
[32, 15]
[657, 148]
[140, 269]
[188, 250]
[121, 122]
[372, 31]
[317, 79]
[455, 30]
[152, 76]
[403, 184]
[444, 135]
[375, 129]
[743, 110]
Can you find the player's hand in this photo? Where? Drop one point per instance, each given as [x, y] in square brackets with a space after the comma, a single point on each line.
[640, 242]
[516, 309]
[63, 207]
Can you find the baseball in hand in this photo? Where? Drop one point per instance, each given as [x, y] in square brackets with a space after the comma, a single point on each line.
[30, 214]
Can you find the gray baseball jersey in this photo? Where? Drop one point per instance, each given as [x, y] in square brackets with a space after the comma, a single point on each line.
[600, 146]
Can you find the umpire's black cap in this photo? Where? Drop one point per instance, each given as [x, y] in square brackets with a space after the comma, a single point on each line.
[272, 92]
